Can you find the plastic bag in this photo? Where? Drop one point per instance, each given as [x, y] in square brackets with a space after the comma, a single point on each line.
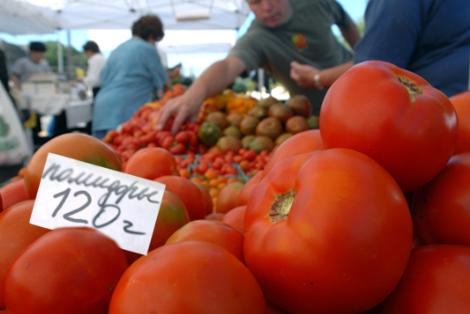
[14, 145]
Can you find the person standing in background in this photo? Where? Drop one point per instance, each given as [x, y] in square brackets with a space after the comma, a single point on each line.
[96, 62]
[132, 76]
[24, 67]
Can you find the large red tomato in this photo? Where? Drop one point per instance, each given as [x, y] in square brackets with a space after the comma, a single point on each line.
[211, 231]
[229, 197]
[16, 233]
[393, 116]
[236, 218]
[301, 143]
[331, 236]
[67, 270]
[245, 193]
[172, 216]
[188, 277]
[73, 145]
[190, 194]
[151, 163]
[461, 104]
[443, 206]
[436, 280]
[13, 192]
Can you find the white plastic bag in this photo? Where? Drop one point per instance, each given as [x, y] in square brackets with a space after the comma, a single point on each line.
[14, 146]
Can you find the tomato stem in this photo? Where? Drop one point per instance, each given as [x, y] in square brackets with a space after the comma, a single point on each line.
[411, 87]
[281, 207]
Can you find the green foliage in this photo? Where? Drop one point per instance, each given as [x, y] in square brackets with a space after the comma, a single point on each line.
[78, 58]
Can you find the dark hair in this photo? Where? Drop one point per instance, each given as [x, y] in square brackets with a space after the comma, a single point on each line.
[37, 46]
[148, 26]
[91, 46]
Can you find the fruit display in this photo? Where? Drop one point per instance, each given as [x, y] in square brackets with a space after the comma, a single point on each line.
[266, 209]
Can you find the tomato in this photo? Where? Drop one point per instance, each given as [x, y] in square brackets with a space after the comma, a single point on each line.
[436, 280]
[172, 216]
[443, 206]
[206, 197]
[151, 163]
[67, 270]
[16, 233]
[211, 231]
[215, 216]
[249, 186]
[236, 218]
[188, 277]
[189, 193]
[73, 145]
[461, 103]
[393, 116]
[301, 143]
[328, 235]
[13, 192]
[229, 197]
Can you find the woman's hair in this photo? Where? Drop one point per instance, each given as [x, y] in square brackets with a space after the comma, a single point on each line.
[148, 26]
[91, 46]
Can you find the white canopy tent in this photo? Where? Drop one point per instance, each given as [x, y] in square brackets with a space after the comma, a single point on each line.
[23, 18]
[119, 14]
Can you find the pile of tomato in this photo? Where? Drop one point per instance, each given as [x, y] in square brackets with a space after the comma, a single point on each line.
[368, 214]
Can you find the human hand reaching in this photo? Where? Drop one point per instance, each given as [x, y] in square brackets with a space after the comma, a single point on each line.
[182, 108]
[303, 74]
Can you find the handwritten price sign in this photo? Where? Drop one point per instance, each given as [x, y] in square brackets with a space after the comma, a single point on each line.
[73, 193]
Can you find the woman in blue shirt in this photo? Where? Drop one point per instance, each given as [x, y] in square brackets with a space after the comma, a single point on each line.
[131, 77]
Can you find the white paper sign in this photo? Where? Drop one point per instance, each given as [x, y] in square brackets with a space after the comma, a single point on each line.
[77, 194]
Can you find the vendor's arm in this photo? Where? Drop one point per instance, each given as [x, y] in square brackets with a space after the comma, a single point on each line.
[308, 76]
[346, 25]
[212, 81]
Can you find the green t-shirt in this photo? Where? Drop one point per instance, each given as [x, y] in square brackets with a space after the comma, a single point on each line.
[306, 38]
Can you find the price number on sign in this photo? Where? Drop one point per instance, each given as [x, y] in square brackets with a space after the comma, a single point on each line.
[100, 220]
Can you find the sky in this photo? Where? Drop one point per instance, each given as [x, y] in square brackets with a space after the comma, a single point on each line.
[193, 61]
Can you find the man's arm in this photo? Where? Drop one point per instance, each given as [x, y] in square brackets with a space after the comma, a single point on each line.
[350, 32]
[212, 81]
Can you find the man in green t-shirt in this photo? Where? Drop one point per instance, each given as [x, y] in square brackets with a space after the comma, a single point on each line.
[285, 35]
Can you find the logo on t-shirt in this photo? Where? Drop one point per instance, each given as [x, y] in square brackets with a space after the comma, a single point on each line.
[299, 41]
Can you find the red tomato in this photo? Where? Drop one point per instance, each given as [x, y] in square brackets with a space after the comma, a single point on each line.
[443, 206]
[151, 163]
[229, 197]
[73, 145]
[188, 277]
[236, 218]
[301, 143]
[215, 216]
[13, 192]
[172, 216]
[67, 270]
[393, 116]
[206, 197]
[329, 235]
[461, 103]
[189, 193]
[436, 280]
[249, 186]
[16, 234]
[211, 231]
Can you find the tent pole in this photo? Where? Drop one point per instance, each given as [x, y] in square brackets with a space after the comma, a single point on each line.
[60, 55]
[70, 73]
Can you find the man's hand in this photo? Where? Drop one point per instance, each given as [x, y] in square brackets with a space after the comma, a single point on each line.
[181, 108]
[303, 74]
